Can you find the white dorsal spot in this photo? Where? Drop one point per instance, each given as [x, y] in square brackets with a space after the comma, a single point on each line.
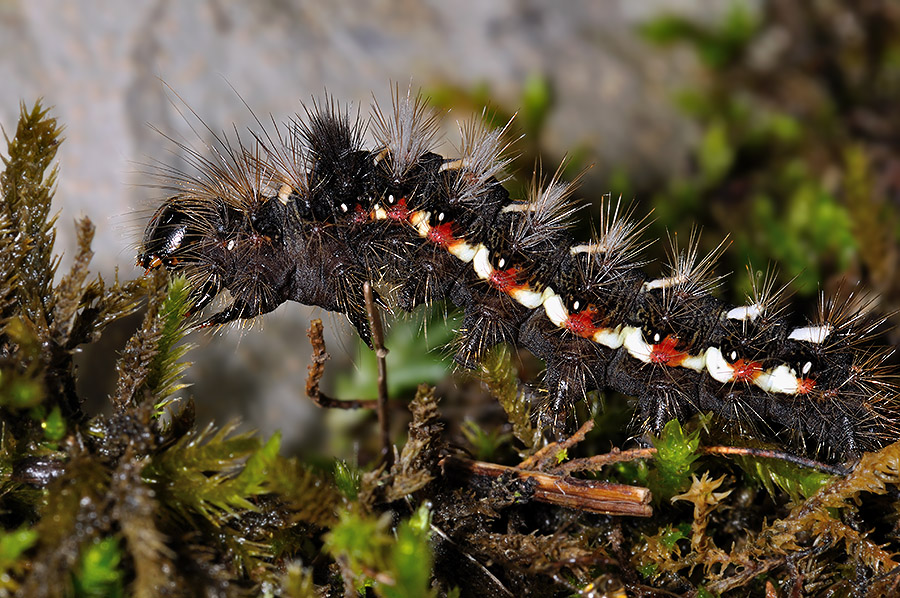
[656, 338]
[665, 283]
[464, 251]
[588, 248]
[733, 356]
[633, 340]
[807, 367]
[454, 165]
[441, 217]
[780, 379]
[528, 297]
[554, 308]
[481, 262]
[344, 208]
[230, 245]
[811, 334]
[744, 313]
[501, 262]
[381, 156]
[576, 305]
[391, 199]
[718, 368]
[267, 191]
[517, 206]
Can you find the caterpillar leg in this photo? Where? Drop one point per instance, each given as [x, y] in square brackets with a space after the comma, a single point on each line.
[482, 330]
[574, 367]
[487, 323]
[236, 311]
[664, 393]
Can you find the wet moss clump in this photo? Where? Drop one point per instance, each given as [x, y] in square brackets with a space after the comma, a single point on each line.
[138, 502]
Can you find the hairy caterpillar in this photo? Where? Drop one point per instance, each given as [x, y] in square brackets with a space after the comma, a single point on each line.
[304, 212]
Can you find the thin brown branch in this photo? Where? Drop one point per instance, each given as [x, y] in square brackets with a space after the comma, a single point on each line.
[317, 370]
[584, 495]
[750, 570]
[730, 451]
[597, 462]
[548, 455]
[380, 354]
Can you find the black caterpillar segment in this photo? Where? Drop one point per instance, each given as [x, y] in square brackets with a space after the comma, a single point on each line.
[306, 213]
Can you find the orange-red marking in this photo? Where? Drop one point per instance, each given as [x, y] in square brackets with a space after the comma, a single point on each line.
[442, 234]
[805, 386]
[746, 370]
[398, 211]
[504, 280]
[666, 353]
[582, 323]
[360, 216]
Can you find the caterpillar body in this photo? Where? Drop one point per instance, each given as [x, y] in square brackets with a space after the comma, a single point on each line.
[306, 213]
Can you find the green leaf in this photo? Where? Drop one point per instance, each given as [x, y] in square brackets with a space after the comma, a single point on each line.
[54, 425]
[669, 536]
[312, 496]
[98, 574]
[667, 29]
[740, 24]
[784, 127]
[13, 544]
[297, 582]
[484, 444]
[537, 103]
[369, 548]
[716, 153]
[347, 479]
[27, 187]
[166, 368]
[717, 45]
[361, 540]
[502, 380]
[408, 364]
[561, 456]
[20, 392]
[411, 558]
[799, 482]
[704, 593]
[203, 474]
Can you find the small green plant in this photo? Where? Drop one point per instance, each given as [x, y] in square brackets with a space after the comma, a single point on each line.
[676, 452]
[402, 558]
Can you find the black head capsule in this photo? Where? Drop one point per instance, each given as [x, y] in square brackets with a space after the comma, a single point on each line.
[165, 235]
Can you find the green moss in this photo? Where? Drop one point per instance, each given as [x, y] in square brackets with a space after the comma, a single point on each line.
[99, 574]
[395, 566]
[346, 478]
[13, 545]
[676, 452]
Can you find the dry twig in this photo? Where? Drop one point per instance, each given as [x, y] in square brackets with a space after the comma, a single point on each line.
[585, 495]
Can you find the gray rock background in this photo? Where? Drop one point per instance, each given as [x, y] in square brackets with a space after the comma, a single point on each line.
[105, 66]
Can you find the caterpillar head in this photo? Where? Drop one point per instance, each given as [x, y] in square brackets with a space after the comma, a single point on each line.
[220, 246]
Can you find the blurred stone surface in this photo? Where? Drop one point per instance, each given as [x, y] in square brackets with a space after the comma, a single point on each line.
[111, 68]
